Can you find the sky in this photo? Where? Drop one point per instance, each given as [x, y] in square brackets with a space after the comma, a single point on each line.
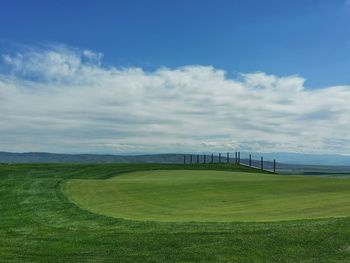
[175, 76]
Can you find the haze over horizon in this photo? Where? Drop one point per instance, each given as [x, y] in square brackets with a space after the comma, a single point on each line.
[131, 77]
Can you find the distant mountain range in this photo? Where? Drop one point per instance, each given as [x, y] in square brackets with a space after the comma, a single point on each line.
[309, 159]
[43, 157]
[286, 162]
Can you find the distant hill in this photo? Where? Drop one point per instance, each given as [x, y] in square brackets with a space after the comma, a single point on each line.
[42, 157]
[286, 162]
[310, 159]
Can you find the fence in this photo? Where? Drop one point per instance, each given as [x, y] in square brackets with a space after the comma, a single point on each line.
[238, 158]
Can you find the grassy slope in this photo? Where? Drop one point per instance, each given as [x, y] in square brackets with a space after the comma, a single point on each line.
[38, 223]
[185, 195]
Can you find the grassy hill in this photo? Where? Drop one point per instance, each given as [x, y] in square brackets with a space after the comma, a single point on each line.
[40, 224]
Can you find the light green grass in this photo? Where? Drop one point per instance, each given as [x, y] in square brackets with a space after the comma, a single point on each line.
[185, 195]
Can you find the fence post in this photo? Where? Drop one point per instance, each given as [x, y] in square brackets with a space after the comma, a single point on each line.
[197, 158]
[274, 166]
[212, 158]
[250, 160]
[262, 163]
[219, 157]
[236, 158]
[239, 157]
[228, 157]
[191, 159]
[184, 159]
[204, 158]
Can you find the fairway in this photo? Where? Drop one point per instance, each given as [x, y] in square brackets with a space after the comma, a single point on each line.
[211, 196]
[41, 223]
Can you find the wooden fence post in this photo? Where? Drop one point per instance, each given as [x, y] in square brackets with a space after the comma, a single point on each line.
[191, 159]
[262, 163]
[204, 158]
[250, 160]
[274, 166]
[197, 158]
[239, 157]
[219, 157]
[228, 157]
[184, 159]
[212, 158]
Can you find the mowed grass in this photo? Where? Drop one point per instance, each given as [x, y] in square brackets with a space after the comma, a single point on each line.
[187, 195]
[38, 223]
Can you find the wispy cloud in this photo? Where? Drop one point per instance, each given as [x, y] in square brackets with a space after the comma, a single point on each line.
[63, 100]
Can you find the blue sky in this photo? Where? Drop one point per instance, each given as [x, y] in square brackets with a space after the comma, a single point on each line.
[302, 37]
[175, 76]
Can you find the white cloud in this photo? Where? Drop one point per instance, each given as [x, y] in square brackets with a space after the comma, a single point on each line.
[64, 100]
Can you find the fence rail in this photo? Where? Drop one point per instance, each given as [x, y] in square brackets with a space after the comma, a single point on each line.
[249, 160]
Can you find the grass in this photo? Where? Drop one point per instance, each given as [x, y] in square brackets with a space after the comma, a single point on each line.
[38, 223]
[188, 195]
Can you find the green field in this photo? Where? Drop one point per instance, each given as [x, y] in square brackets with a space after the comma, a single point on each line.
[185, 195]
[41, 223]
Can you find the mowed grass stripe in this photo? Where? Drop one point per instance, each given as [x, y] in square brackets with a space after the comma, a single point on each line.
[216, 196]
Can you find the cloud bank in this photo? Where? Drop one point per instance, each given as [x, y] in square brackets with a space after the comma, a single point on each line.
[62, 99]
